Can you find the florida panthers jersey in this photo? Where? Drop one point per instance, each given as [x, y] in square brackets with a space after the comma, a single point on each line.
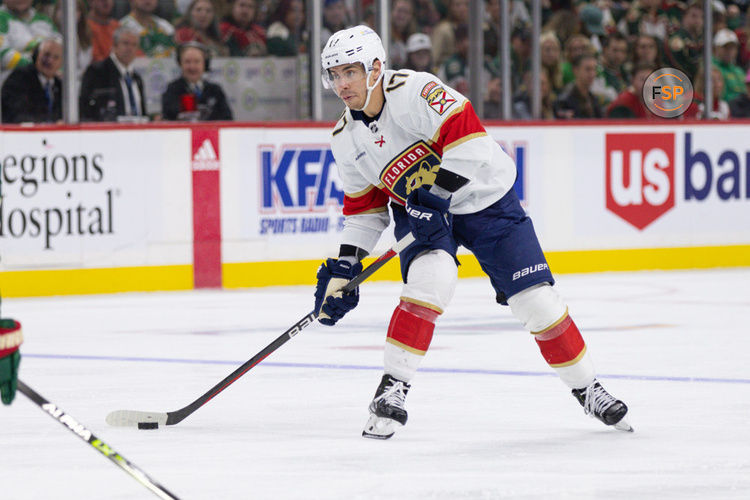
[426, 134]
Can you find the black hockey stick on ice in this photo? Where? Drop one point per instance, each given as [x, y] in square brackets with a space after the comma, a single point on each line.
[82, 432]
[152, 420]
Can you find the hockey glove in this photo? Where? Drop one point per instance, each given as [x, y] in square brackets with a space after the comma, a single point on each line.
[429, 218]
[330, 303]
[10, 358]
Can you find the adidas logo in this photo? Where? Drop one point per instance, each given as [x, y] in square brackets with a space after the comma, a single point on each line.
[206, 158]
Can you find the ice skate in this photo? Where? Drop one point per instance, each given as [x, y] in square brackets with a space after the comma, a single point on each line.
[598, 403]
[387, 408]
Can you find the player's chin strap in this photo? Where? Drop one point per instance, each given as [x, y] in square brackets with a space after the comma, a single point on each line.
[371, 88]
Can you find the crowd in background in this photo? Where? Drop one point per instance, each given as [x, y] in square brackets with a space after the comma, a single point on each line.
[595, 55]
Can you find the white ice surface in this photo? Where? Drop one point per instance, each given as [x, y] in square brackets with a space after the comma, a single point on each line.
[487, 419]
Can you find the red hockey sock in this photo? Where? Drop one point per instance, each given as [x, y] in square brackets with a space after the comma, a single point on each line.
[561, 344]
[411, 327]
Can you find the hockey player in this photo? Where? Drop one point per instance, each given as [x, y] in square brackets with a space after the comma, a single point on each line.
[407, 137]
[10, 338]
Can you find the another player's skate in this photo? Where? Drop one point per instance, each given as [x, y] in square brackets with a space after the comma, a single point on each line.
[387, 408]
[598, 403]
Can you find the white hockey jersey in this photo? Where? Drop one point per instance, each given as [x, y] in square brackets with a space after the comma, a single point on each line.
[426, 134]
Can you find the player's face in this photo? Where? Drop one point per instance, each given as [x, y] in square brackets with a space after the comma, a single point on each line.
[348, 81]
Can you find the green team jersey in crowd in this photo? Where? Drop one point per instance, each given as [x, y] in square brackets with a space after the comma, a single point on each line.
[18, 37]
[157, 40]
[734, 79]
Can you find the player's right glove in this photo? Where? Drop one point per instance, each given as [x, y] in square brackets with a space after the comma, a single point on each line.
[429, 218]
[10, 358]
[330, 303]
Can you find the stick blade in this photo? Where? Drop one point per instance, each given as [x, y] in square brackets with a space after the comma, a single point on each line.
[131, 418]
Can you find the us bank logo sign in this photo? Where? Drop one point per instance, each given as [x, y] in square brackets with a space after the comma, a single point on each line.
[644, 179]
[300, 190]
[640, 176]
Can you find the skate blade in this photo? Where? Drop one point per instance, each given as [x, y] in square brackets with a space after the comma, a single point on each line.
[379, 428]
[623, 425]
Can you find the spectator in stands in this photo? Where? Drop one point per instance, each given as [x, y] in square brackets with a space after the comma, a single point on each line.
[491, 28]
[611, 78]
[739, 107]
[520, 54]
[402, 26]
[419, 53]
[743, 37]
[522, 100]
[426, 15]
[645, 17]
[156, 34]
[335, 18]
[629, 104]
[455, 69]
[102, 27]
[443, 36]
[551, 56]
[286, 36]
[240, 31]
[726, 46]
[200, 25]
[565, 24]
[645, 50]
[592, 23]
[111, 88]
[576, 99]
[85, 51]
[192, 97]
[684, 49]
[21, 30]
[33, 93]
[720, 109]
[577, 45]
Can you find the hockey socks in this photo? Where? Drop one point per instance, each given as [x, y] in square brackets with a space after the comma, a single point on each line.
[409, 337]
[564, 350]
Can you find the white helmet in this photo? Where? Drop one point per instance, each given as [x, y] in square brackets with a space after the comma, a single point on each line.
[359, 44]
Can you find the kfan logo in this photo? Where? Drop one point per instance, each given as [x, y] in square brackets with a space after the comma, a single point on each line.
[298, 178]
[640, 176]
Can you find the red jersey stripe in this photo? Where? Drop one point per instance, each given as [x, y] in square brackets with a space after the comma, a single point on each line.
[459, 127]
[369, 201]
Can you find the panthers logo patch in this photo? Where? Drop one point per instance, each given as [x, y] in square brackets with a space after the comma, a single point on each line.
[416, 166]
[437, 97]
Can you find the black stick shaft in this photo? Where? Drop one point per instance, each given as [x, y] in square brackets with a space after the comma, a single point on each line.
[177, 416]
[82, 432]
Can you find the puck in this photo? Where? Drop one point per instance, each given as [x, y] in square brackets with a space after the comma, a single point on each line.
[148, 425]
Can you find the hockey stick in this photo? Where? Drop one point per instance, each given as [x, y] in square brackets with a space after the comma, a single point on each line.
[152, 420]
[85, 434]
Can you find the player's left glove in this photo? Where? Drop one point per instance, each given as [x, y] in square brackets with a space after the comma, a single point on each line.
[10, 358]
[429, 218]
[330, 303]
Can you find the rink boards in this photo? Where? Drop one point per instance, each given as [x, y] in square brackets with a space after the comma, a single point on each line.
[124, 208]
